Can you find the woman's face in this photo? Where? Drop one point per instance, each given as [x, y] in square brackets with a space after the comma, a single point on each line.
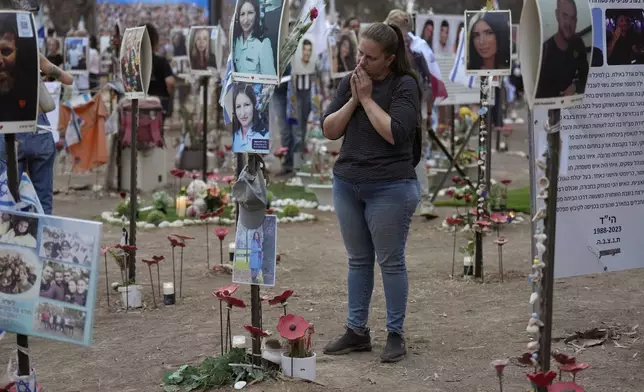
[484, 39]
[247, 16]
[81, 286]
[23, 226]
[201, 40]
[256, 236]
[372, 58]
[244, 110]
[71, 285]
[345, 48]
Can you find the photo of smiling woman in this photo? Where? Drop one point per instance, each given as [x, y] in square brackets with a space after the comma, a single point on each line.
[202, 56]
[489, 42]
[253, 57]
[250, 132]
[343, 49]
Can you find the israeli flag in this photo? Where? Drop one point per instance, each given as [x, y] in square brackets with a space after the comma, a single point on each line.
[226, 96]
[29, 201]
[458, 75]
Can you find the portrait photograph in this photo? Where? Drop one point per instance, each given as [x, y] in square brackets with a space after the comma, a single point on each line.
[305, 61]
[59, 321]
[19, 72]
[624, 38]
[64, 283]
[179, 42]
[67, 246]
[250, 122]
[202, 50]
[18, 270]
[130, 61]
[343, 49]
[566, 50]
[488, 49]
[18, 229]
[255, 253]
[255, 40]
[76, 54]
[425, 29]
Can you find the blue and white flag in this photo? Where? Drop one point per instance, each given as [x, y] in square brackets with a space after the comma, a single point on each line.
[226, 96]
[29, 201]
[458, 75]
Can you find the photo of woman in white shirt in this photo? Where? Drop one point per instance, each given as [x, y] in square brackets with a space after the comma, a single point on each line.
[252, 50]
[251, 134]
[22, 232]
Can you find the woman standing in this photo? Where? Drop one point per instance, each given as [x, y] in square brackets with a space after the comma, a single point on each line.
[256, 257]
[246, 119]
[252, 52]
[200, 55]
[489, 41]
[375, 190]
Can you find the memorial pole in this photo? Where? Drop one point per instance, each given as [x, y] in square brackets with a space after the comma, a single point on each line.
[133, 193]
[255, 300]
[481, 176]
[204, 168]
[13, 184]
[550, 223]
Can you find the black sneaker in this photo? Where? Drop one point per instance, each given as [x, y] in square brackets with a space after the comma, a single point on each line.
[395, 349]
[350, 341]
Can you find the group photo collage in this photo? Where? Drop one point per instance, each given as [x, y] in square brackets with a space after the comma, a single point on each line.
[49, 262]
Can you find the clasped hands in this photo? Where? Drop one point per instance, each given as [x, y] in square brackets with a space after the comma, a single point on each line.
[361, 86]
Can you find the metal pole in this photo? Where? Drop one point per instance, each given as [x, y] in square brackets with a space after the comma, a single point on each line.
[204, 170]
[255, 300]
[532, 156]
[453, 132]
[550, 224]
[488, 148]
[14, 187]
[484, 134]
[133, 188]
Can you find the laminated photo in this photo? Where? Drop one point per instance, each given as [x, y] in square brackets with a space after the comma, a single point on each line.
[624, 40]
[343, 49]
[202, 44]
[255, 40]
[305, 61]
[19, 72]
[48, 272]
[250, 122]
[76, 54]
[255, 253]
[441, 32]
[488, 38]
[566, 50]
[136, 62]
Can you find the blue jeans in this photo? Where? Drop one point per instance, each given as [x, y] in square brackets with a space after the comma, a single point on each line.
[277, 109]
[374, 221]
[37, 155]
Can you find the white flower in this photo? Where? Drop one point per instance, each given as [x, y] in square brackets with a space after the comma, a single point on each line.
[532, 329]
[533, 298]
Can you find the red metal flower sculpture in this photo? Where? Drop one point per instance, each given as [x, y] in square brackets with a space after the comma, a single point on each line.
[150, 262]
[292, 327]
[563, 359]
[506, 181]
[541, 379]
[281, 299]
[194, 175]
[221, 232]
[228, 179]
[454, 221]
[574, 368]
[127, 248]
[257, 332]
[565, 387]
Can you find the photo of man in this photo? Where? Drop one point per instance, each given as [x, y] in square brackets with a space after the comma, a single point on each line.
[304, 63]
[565, 57]
[76, 54]
[624, 43]
[444, 46]
[19, 73]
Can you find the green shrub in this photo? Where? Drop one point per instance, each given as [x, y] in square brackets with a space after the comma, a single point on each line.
[123, 208]
[291, 211]
[161, 201]
[155, 217]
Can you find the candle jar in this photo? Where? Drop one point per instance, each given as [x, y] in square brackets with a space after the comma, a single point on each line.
[181, 206]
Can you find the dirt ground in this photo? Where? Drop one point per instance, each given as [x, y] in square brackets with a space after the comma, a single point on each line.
[454, 328]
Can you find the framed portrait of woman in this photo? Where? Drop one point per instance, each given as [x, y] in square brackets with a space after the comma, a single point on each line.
[343, 47]
[488, 49]
[250, 123]
[202, 48]
[255, 253]
[256, 37]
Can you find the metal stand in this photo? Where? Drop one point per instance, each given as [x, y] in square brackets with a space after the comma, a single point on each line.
[550, 224]
[134, 208]
[255, 300]
[483, 171]
[13, 183]
[204, 170]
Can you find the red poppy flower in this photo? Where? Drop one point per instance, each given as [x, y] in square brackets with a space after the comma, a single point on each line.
[280, 299]
[257, 332]
[499, 365]
[214, 176]
[526, 359]
[456, 179]
[194, 175]
[468, 198]
[105, 250]
[122, 194]
[183, 237]
[158, 258]
[541, 379]
[126, 247]
[175, 242]
[221, 232]
[575, 367]
[226, 291]
[150, 262]
[498, 218]
[506, 182]
[563, 359]
[454, 221]
[269, 211]
[501, 241]
[234, 302]
[292, 327]
[314, 13]
[450, 192]
[228, 147]
[483, 223]
[228, 179]
[565, 387]
[179, 173]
